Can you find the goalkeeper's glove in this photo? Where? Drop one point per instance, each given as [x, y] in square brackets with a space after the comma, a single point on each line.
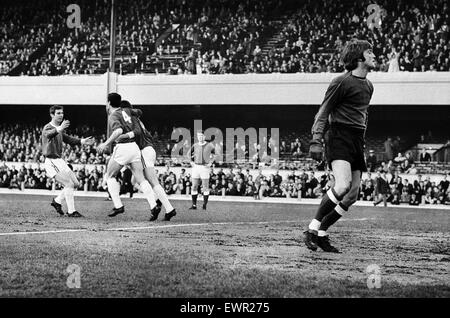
[316, 149]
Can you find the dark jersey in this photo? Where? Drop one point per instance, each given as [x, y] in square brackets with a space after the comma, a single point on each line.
[143, 137]
[202, 154]
[120, 118]
[52, 141]
[346, 102]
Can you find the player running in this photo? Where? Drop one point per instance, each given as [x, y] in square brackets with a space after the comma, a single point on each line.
[345, 109]
[144, 140]
[124, 153]
[201, 162]
[53, 136]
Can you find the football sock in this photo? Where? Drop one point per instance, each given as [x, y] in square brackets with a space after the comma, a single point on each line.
[328, 203]
[148, 193]
[70, 201]
[114, 190]
[194, 199]
[162, 197]
[59, 199]
[205, 198]
[314, 225]
[333, 217]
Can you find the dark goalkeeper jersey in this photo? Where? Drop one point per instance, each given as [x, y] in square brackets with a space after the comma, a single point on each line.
[346, 102]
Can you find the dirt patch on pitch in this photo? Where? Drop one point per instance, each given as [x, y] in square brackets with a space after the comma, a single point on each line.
[404, 258]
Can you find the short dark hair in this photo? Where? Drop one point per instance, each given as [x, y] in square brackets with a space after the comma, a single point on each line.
[353, 52]
[54, 108]
[114, 99]
[125, 104]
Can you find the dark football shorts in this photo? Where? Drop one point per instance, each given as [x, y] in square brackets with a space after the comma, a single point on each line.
[345, 143]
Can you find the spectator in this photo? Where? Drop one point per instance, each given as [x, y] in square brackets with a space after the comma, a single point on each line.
[382, 189]
[231, 190]
[393, 61]
[414, 200]
[371, 161]
[395, 199]
[388, 149]
[400, 158]
[444, 184]
[277, 178]
[396, 145]
[405, 196]
[424, 156]
[428, 198]
[408, 186]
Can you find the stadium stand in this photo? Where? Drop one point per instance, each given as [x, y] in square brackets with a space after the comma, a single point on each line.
[229, 36]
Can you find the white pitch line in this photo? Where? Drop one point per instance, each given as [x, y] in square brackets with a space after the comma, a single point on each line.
[222, 223]
[198, 224]
[137, 228]
[44, 232]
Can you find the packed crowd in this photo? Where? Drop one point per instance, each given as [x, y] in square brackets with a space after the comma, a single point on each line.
[413, 36]
[71, 48]
[27, 177]
[82, 50]
[24, 28]
[228, 37]
[22, 143]
[399, 190]
[220, 37]
[240, 182]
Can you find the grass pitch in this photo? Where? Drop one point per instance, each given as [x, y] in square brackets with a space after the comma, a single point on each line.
[230, 250]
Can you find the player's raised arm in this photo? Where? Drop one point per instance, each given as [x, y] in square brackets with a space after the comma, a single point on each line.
[132, 134]
[51, 131]
[116, 133]
[136, 129]
[128, 135]
[87, 141]
[71, 140]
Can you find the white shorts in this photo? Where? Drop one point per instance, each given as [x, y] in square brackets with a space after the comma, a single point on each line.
[200, 172]
[149, 156]
[55, 166]
[126, 153]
